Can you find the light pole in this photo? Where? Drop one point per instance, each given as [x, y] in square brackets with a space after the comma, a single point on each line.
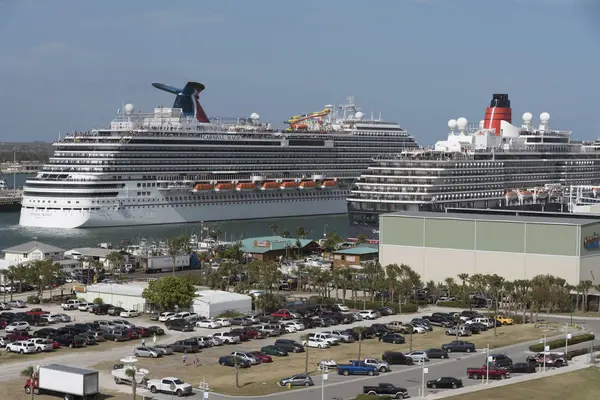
[323, 379]
[487, 365]
[423, 373]
[545, 354]
[41, 287]
[567, 340]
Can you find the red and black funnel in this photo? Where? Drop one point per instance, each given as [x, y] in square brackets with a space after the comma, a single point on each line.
[499, 110]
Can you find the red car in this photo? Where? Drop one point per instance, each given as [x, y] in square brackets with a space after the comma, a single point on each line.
[263, 357]
[17, 336]
[283, 314]
[142, 331]
[55, 345]
[37, 311]
[254, 333]
[131, 334]
[3, 323]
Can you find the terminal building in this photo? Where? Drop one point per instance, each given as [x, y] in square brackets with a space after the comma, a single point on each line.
[442, 245]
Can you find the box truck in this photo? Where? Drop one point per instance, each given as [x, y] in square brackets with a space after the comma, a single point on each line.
[68, 382]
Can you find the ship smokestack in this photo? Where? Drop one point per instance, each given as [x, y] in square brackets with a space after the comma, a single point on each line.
[499, 110]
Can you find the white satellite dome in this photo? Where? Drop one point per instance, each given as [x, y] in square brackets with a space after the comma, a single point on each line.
[254, 116]
[481, 124]
[462, 123]
[527, 117]
[129, 109]
[544, 117]
[452, 124]
[359, 115]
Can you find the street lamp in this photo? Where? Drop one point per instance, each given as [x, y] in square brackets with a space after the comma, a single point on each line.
[323, 379]
[424, 372]
[41, 287]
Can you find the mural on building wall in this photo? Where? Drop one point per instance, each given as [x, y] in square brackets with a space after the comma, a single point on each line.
[591, 242]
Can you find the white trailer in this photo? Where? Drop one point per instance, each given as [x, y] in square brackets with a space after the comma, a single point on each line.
[164, 263]
[69, 382]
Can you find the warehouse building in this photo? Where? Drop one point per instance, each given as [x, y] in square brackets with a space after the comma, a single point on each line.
[208, 303]
[442, 245]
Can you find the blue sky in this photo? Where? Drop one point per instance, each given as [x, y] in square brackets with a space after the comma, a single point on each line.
[70, 64]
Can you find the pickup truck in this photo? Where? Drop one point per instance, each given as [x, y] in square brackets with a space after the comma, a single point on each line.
[170, 385]
[37, 311]
[356, 368]
[386, 389]
[70, 305]
[494, 372]
[381, 366]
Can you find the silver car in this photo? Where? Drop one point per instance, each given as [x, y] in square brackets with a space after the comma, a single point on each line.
[164, 349]
[147, 352]
[462, 331]
[418, 356]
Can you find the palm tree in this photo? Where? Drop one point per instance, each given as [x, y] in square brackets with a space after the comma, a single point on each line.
[30, 374]
[236, 368]
[115, 258]
[410, 330]
[495, 283]
[285, 234]
[274, 228]
[359, 330]
[305, 337]
[301, 232]
[362, 238]
[178, 245]
[586, 285]
[464, 278]
[130, 373]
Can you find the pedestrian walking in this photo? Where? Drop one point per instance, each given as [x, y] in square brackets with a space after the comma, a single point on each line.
[196, 361]
[154, 339]
[184, 358]
[143, 342]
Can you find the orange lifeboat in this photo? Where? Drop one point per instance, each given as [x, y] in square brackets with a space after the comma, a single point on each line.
[525, 194]
[224, 187]
[289, 185]
[269, 186]
[328, 184]
[511, 195]
[596, 191]
[202, 187]
[307, 185]
[245, 186]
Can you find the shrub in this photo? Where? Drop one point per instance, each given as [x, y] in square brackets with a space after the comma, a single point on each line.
[558, 343]
[409, 308]
[98, 301]
[46, 300]
[33, 299]
[371, 397]
[453, 304]
[230, 314]
[359, 304]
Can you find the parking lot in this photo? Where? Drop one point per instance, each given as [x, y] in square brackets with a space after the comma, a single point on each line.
[261, 379]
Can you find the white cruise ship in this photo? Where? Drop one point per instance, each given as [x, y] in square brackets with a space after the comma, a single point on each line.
[493, 164]
[176, 165]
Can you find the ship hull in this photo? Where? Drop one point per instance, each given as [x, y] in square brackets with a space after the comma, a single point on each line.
[327, 204]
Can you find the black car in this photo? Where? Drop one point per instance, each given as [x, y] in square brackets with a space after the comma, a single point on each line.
[477, 327]
[229, 361]
[101, 309]
[500, 360]
[46, 333]
[70, 341]
[522, 368]
[179, 325]
[156, 330]
[438, 320]
[185, 346]
[394, 338]
[289, 345]
[384, 311]
[459, 346]
[446, 382]
[436, 353]
[470, 314]
[396, 358]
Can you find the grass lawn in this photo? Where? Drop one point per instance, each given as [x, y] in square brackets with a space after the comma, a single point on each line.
[581, 385]
[260, 380]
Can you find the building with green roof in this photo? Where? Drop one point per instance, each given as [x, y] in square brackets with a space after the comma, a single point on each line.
[267, 248]
[356, 255]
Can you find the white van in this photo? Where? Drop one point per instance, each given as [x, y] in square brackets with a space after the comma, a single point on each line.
[330, 339]
[71, 305]
[482, 320]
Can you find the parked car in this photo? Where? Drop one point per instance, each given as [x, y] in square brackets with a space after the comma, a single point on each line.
[70, 341]
[185, 346]
[522, 368]
[223, 321]
[289, 345]
[386, 389]
[156, 330]
[229, 361]
[356, 368]
[17, 326]
[369, 314]
[116, 335]
[208, 323]
[396, 358]
[179, 325]
[147, 352]
[500, 360]
[380, 366]
[297, 380]
[394, 338]
[462, 331]
[493, 372]
[273, 350]
[246, 356]
[457, 346]
[42, 344]
[316, 343]
[228, 337]
[17, 304]
[418, 356]
[436, 353]
[163, 317]
[165, 350]
[553, 359]
[21, 347]
[129, 313]
[446, 382]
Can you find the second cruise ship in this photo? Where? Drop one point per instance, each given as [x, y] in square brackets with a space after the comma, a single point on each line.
[493, 164]
[176, 165]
